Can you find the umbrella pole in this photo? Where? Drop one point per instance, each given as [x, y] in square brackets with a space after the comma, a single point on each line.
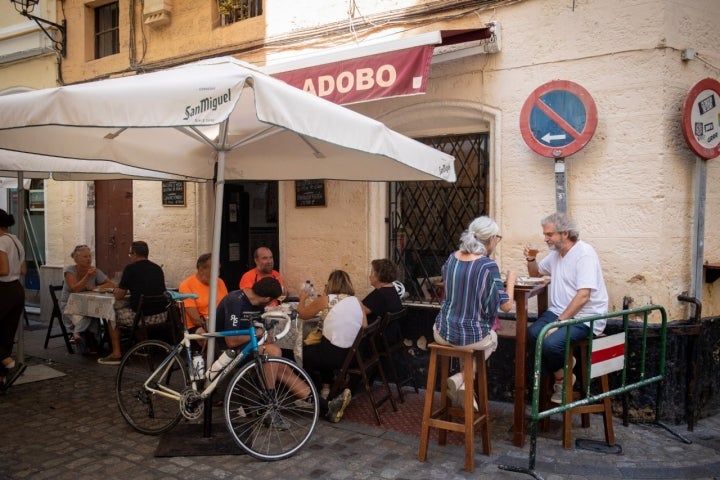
[21, 237]
[215, 259]
[214, 274]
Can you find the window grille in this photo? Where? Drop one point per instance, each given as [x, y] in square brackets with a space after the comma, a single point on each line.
[107, 30]
[427, 218]
[232, 11]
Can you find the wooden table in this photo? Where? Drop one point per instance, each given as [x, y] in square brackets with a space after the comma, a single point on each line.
[518, 331]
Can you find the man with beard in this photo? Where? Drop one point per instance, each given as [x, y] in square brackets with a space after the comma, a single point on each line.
[577, 289]
[264, 264]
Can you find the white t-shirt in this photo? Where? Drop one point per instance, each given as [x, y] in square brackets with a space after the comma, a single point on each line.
[579, 268]
[343, 321]
[10, 244]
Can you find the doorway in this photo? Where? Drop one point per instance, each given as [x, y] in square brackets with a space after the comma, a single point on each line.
[113, 224]
[250, 220]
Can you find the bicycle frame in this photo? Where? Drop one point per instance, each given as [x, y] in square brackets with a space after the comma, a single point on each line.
[154, 383]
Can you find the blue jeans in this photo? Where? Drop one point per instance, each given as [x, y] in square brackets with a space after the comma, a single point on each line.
[553, 346]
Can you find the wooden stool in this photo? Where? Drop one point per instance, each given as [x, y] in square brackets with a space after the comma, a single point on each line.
[604, 406]
[442, 418]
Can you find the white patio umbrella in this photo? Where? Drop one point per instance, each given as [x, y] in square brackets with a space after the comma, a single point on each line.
[215, 119]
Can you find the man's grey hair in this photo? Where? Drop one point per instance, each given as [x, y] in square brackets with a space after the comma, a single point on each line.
[563, 223]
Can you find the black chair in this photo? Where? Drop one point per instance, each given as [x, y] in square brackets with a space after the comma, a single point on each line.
[152, 305]
[362, 360]
[390, 346]
[57, 315]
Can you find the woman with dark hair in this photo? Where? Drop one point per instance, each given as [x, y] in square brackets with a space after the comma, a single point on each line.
[384, 298]
[342, 317]
[12, 294]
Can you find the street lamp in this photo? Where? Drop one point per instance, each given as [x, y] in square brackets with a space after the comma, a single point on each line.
[25, 8]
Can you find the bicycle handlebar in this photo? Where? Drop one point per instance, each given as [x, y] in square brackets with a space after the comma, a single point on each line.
[277, 315]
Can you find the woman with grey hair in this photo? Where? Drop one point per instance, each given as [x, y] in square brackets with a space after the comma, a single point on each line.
[474, 291]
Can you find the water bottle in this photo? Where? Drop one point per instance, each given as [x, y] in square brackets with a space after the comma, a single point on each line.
[311, 292]
[198, 367]
[306, 287]
[220, 363]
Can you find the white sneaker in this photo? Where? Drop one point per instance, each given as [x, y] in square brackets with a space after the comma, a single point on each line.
[461, 399]
[557, 396]
[325, 392]
[454, 384]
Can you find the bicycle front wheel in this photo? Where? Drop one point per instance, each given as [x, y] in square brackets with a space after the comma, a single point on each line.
[271, 422]
[147, 411]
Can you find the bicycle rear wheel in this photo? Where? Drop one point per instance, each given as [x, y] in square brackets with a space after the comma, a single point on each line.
[270, 423]
[146, 411]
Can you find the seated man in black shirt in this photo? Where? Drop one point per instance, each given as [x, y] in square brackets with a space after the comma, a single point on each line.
[140, 277]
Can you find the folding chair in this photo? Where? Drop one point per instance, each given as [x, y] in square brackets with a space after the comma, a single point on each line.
[148, 308]
[392, 348]
[57, 314]
[362, 360]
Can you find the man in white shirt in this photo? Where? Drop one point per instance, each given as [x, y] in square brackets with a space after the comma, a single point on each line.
[577, 289]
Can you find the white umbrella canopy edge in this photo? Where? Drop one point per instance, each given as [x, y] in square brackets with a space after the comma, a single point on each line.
[70, 169]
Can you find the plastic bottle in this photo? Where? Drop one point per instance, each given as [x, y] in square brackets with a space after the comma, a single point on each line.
[306, 287]
[220, 363]
[311, 291]
[198, 366]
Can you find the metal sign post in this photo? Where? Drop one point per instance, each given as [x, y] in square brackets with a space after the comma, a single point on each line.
[701, 129]
[698, 247]
[560, 186]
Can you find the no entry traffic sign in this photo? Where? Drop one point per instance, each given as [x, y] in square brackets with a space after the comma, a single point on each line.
[701, 118]
[558, 119]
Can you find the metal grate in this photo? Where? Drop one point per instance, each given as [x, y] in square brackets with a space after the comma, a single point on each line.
[427, 218]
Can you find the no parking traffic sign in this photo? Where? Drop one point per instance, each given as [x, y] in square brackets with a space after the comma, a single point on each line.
[558, 119]
[701, 118]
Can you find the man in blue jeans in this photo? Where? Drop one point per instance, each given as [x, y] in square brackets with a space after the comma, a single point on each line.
[577, 289]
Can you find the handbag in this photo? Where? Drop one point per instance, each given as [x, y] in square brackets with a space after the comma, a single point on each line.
[313, 337]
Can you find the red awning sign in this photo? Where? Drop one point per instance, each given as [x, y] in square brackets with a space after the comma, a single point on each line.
[396, 73]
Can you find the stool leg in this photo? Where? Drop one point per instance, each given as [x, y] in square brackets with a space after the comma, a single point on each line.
[444, 372]
[469, 414]
[483, 405]
[427, 408]
[607, 412]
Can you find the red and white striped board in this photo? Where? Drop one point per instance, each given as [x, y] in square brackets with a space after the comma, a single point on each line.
[608, 354]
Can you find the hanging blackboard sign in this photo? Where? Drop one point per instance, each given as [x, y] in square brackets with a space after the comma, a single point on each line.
[173, 192]
[310, 193]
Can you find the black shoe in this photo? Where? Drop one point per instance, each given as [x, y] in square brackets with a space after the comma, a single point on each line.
[13, 374]
[275, 421]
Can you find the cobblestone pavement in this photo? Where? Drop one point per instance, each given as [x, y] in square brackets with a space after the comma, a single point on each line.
[69, 427]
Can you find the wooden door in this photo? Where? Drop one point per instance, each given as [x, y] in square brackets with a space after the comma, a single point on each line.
[113, 224]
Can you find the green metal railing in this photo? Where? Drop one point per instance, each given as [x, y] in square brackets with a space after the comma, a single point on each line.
[625, 386]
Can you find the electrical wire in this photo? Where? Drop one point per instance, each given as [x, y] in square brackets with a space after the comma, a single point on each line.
[706, 62]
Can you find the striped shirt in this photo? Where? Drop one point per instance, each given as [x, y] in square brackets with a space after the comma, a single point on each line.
[473, 293]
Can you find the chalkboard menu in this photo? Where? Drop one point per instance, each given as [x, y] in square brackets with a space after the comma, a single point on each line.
[310, 193]
[173, 192]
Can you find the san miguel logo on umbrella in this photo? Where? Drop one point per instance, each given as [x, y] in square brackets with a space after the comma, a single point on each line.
[207, 104]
